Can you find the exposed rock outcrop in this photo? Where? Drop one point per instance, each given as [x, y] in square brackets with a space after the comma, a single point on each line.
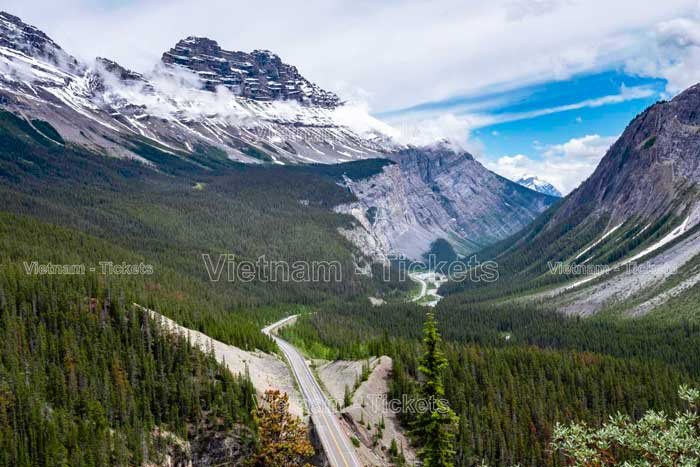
[432, 193]
[649, 167]
[259, 75]
[369, 416]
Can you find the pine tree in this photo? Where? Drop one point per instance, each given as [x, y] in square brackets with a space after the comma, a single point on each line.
[347, 397]
[283, 441]
[435, 424]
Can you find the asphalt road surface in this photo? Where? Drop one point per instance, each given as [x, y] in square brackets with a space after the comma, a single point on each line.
[336, 443]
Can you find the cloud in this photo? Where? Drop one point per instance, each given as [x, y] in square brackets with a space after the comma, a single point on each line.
[626, 94]
[356, 116]
[424, 126]
[401, 53]
[444, 127]
[177, 93]
[564, 165]
[672, 53]
[520, 9]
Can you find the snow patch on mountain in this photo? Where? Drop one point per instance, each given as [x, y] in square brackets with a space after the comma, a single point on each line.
[273, 115]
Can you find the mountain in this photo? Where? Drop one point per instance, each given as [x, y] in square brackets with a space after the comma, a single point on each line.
[200, 100]
[207, 107]
[539, 186]
[259, 75]
[438, 193]
[630, 231]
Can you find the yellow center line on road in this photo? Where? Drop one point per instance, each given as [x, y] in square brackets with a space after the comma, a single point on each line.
[335, 441]
[313, 387]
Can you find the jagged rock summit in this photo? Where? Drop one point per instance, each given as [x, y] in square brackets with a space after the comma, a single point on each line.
[259, 75]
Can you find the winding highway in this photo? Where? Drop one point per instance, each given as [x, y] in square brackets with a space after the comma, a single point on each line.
[430, 283]
[336, 444]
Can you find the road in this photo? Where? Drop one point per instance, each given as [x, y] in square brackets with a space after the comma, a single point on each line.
[430, 282]
[423, 287]
[336, 444]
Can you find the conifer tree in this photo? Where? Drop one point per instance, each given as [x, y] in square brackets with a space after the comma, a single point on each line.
[435, 424]
[283, 441]
[347, 397]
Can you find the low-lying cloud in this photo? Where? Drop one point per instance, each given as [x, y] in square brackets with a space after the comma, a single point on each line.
[563, 165]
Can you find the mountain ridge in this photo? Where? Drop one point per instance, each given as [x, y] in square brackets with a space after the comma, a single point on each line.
[105, 106]
[635, 222]
[438, 193]
[207, 107]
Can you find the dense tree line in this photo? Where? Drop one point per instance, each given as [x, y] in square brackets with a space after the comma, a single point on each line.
[513, 374]
[87, 379]
[355, 329]
[191, 205]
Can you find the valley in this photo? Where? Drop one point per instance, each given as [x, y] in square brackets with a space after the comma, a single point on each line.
[221, 182]
[429, 285]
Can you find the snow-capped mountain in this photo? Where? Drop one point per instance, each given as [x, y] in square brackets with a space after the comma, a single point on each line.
[203, 105]
[539, 185]
[252, 106]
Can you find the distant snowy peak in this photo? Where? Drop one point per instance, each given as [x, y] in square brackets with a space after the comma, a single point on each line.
[539, 186]
[260, 75]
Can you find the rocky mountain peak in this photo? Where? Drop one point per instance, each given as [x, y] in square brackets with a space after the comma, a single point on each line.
[651, 166]
[124, 74]
[101, 103]
[260, 75]
[25, 38]
[541, 186]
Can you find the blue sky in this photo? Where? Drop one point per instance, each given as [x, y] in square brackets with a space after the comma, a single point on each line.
[525, 130]
[529, 134]
[557, 130]
[528, 86]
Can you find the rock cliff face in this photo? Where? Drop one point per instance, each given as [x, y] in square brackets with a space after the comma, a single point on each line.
[650, 166]
[258, 75]
[26, 39]
[435, 193]
[630, 232]
[201, 100]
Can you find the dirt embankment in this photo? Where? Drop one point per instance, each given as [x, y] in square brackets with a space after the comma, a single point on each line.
[266, 371]
[369, 417]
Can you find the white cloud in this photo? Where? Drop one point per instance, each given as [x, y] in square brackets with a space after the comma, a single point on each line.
[401, 53]
[672, 53]
[455, 124]
[564, 165]
[520, 9]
